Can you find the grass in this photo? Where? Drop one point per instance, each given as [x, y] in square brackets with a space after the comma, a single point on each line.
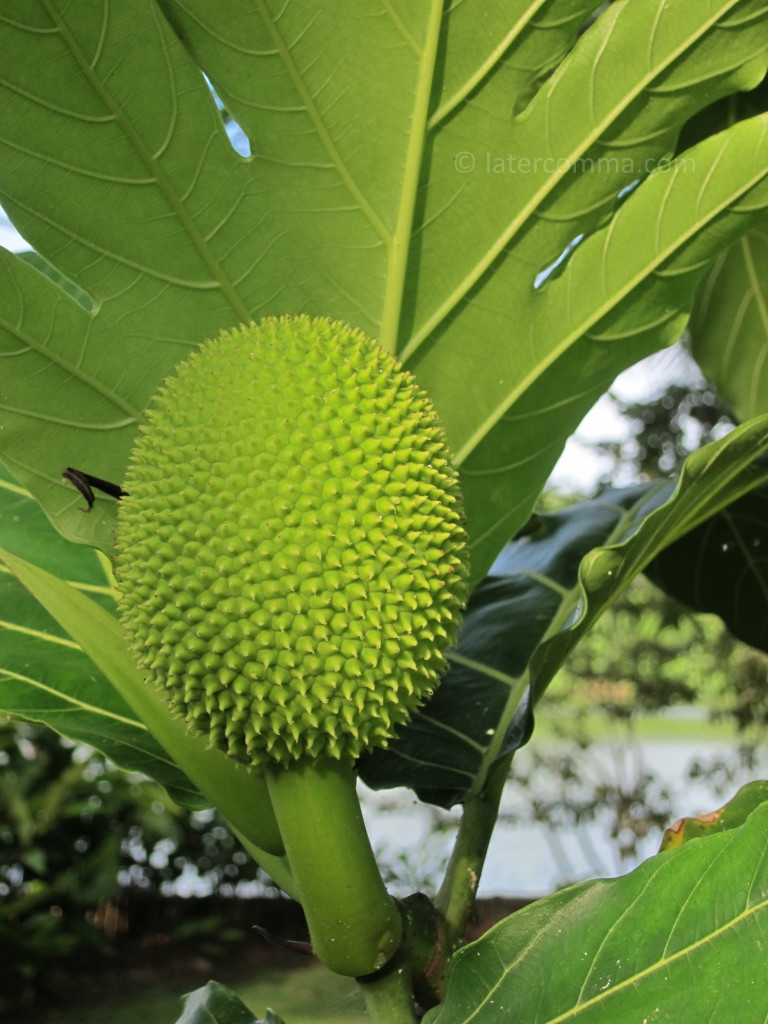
[646, 727]
[307, 995]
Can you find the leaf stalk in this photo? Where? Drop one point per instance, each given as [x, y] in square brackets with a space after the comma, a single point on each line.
[456, 897]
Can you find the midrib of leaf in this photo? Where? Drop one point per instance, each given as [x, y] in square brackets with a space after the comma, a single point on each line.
[450, 731]
[319, 124]
[564, 166]
[658, 965]
[486, 670]
[38, 634]
[616, 297]
[86, 588]
[399, 244]
[6, 485]
[487, 66]
[150, 161]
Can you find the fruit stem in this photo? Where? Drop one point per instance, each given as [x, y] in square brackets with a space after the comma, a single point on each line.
[353, 921]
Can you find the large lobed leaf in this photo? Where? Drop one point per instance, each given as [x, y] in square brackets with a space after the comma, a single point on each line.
[679, 939]
[389, 228]
[391, 233]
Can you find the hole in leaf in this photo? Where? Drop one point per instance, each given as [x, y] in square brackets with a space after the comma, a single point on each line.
[237, 137]
[9, 237]
[629, 188]
[557, 265]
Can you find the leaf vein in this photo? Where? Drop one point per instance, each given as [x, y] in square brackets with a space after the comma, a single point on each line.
[182, 213]
[69, 699]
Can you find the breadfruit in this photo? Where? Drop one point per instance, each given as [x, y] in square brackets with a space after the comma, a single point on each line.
[291, 555]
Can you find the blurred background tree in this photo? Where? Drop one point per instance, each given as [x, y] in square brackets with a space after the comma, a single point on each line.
[82, 845]
[648, 657]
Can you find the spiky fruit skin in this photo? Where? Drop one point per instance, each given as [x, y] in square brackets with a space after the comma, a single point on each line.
[291, 558]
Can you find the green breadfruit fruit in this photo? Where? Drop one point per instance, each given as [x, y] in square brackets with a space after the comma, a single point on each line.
[291, 552]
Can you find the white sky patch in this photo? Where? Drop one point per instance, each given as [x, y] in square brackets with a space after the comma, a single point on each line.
[9, 236]
[580, 466]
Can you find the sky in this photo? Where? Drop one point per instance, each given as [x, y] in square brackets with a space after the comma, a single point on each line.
[580, 466]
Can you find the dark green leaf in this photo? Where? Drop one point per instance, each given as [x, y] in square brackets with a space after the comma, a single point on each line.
[445, 748]
[680, 939]
[476, 715]
[25, 531]
[240, 793]
[722, 567]
[215, 1004]
[712, 478]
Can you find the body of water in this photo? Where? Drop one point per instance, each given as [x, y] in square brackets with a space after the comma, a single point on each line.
[531, 858]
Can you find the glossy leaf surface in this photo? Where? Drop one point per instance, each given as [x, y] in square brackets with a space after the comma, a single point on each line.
[722, 567]
[679, 939]
[712, 478]
[523, 621]
[216, 1004]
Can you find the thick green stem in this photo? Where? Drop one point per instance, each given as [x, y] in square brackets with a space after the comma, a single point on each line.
[462, 876]
[353, 921]
[389, 994]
